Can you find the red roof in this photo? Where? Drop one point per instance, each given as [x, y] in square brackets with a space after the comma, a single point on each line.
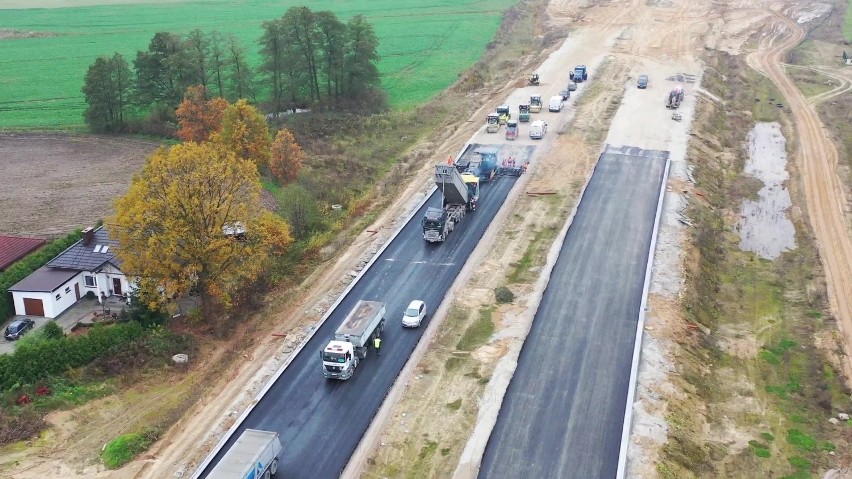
[13, 248]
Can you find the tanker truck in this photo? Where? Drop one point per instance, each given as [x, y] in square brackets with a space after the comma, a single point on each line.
[459, 194]
[343, 353]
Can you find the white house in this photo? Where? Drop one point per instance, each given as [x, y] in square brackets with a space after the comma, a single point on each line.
[88, 265]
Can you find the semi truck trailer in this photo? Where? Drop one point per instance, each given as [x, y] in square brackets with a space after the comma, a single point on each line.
[459, 193]
[254, 455]
[352, 339]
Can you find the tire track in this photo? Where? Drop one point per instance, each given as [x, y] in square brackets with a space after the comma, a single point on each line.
[817, 161]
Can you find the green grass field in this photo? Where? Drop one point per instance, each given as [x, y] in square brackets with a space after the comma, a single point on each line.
[424, 45]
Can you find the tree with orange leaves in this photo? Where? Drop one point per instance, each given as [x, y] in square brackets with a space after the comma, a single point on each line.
[199, 117]
[246, 133]
[286, 157]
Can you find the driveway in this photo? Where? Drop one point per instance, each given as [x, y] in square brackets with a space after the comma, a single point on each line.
[7, 347]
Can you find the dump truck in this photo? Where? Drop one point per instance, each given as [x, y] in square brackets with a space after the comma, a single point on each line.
[253, 455]
[674, 98]
[535, 103]
[580, 74]
[352, 339]
[524, 112]
[492, 123]
[504, 114]
[459, 194]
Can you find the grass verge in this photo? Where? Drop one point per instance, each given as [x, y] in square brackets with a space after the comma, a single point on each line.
[124, 448]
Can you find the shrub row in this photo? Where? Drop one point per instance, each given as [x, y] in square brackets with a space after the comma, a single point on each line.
[37, 357]
[23, 268]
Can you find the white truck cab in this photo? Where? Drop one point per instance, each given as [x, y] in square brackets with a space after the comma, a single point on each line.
[339, 360]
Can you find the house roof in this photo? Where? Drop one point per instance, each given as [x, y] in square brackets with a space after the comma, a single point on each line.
[88, 257]
[13, 248]
[44, 280]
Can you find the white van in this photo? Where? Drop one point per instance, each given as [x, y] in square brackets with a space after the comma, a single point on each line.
[556, 103]
[537, 129]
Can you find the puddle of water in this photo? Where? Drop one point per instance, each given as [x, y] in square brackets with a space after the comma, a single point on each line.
[764, 227]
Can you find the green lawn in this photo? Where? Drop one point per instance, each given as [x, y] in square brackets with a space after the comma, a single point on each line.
[424, 45]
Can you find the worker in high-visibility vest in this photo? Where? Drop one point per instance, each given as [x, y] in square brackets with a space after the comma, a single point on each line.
[377, 343]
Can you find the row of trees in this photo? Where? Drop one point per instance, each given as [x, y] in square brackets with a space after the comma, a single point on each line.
[314, 56]
[308, 58]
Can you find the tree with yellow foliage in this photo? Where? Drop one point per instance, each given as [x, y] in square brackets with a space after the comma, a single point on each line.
[286, 157]
[192, 223]
[246, 133]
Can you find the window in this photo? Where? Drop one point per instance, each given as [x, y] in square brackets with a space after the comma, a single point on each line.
[58, 296]
[91, 281]
[68, 289]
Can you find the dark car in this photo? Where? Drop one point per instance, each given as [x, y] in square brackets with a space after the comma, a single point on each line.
[565, 94]
[642, 82]
[17, 328]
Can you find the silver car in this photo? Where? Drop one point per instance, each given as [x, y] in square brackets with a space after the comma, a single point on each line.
[414, 314]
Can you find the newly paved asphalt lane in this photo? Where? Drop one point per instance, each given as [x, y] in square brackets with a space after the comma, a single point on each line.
[321, 421]
[563, 411]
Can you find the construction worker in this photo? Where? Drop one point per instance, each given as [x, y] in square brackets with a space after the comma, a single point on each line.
[377, 343]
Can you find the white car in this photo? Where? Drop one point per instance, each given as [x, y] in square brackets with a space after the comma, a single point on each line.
[555, 103]
[414, 314]
[537, 129]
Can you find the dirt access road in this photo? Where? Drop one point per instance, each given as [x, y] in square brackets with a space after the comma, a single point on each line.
[817, 160]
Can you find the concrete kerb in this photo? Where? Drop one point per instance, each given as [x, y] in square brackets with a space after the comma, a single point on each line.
[640, 327]
[316, 328]
[471, 458]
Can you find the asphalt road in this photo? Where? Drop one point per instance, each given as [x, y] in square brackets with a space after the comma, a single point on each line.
[563, 412]
[321, 421]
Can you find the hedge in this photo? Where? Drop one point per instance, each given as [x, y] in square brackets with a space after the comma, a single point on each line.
[40, 357]
[25, 267]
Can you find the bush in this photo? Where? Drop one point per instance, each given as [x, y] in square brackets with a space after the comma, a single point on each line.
[23, 268]
[141, 313]
[22, 424]
[504, 295]
[39, 357]
[124, 448]
[301, 210]
[51, 330]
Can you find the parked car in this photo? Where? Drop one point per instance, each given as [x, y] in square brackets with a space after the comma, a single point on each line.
[642, 82]
[572, 86]
[565, 94]
[17, 328]
[414, 314]
[537, 129]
